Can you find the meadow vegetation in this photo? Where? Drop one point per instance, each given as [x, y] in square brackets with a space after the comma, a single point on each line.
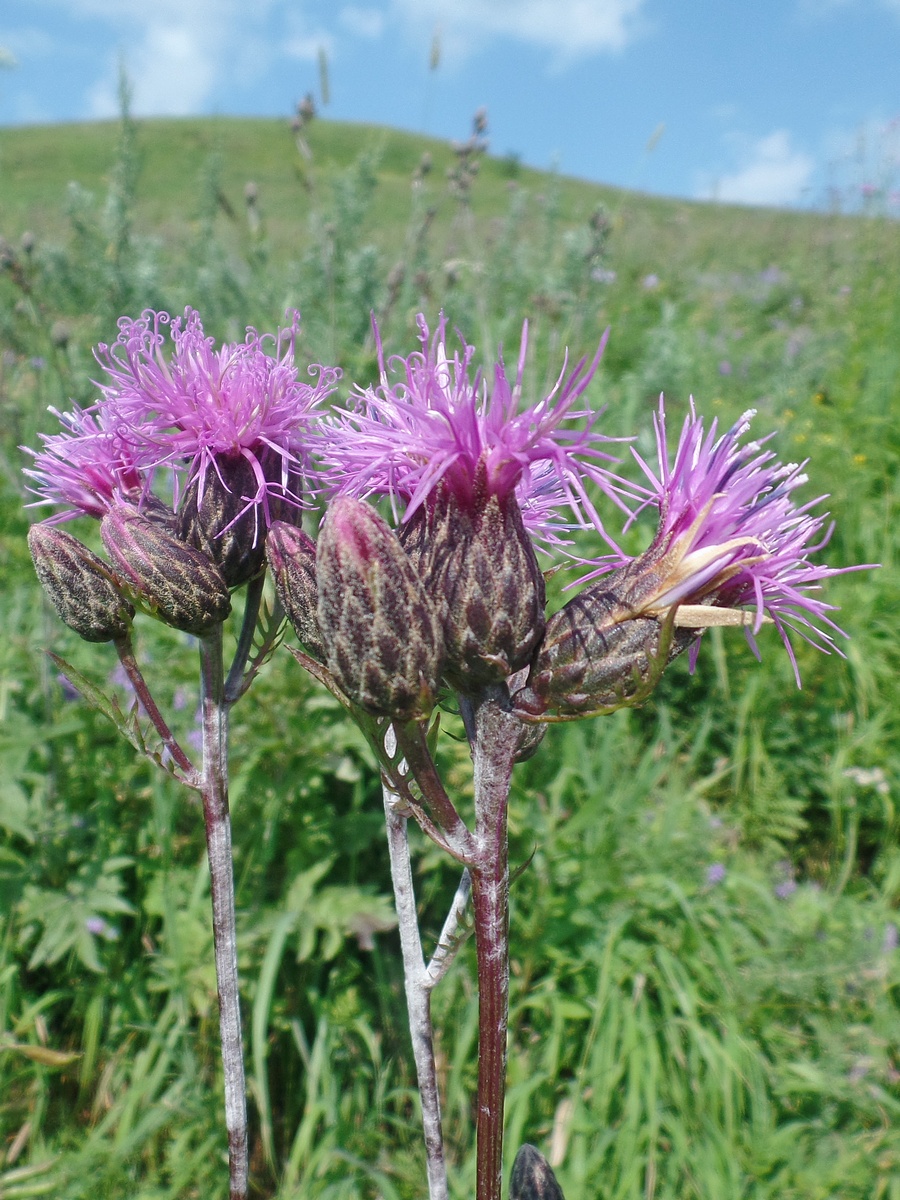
[706, 971]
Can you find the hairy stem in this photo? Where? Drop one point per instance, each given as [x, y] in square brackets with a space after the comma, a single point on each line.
[494, 750]
[218, 845]
[418, 995]
[451, 939]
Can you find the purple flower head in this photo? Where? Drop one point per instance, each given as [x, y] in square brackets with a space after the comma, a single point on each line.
[441, 423]
[731, 536]
[89, 467]
[193, 412]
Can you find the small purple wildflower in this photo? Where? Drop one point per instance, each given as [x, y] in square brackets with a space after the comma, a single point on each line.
[772, 275]
[100, 928]
[730, 536]
[785, 889]
[440, 424]
[715, 873]
[70, 693]
[188, 413]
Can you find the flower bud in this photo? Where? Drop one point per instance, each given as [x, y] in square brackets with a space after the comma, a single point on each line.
[530, 738]
[292, 557]
[179, 584]
[532, 1177]
[597, 654]
[483, 570]
[220, 515]
[379, 628]
[80, 585]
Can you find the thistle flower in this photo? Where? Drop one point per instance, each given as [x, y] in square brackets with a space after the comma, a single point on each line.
[730, 538]
[205, 415]
[90, 466]
[80, 585]
[439, 424]
[478, 475]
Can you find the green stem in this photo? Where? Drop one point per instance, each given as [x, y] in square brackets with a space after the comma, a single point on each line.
[234, 685]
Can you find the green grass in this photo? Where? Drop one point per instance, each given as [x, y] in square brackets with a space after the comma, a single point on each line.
[671, 1037]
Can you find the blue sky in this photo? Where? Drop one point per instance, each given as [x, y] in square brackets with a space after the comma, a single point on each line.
[758, 101]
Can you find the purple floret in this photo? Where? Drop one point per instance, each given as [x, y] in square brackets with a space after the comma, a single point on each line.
[185, 412]
[90, 466]
[730, 534]
[440, 419]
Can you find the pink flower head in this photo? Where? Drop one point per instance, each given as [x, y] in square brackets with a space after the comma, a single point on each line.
[731, 536]
[190, 412]
[90, 466]
[442, 424]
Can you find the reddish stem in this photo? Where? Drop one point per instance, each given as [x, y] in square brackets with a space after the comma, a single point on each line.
[496, 738]
[125, 651]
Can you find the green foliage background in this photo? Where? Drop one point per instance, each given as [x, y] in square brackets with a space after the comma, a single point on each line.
[673, 1034]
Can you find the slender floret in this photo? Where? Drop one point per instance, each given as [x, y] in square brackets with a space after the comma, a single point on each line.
[441, 422]
[193, 411]
[731, 536]
[91, 466]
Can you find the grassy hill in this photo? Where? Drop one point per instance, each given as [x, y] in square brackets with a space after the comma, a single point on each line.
[677, 1031]
[175, 157]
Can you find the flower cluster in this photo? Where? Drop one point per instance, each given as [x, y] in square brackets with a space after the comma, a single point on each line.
[191, 413]
[477, 479]
[186, 459]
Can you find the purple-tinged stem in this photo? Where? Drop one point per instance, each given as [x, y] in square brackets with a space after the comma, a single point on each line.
[125, 651]
[234, 684]
[214, 791]
[494, 751]
[414, 746]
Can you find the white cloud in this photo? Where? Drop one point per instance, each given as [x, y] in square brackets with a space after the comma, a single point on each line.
[770, 171]
[364, 22]
[569, 28]
[180, 54]
[307, 47]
